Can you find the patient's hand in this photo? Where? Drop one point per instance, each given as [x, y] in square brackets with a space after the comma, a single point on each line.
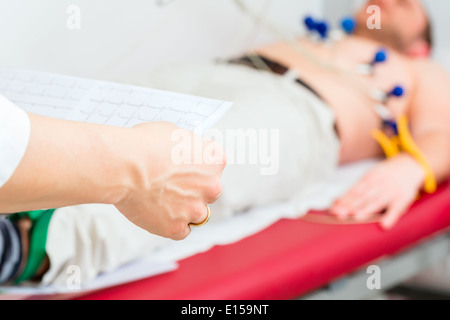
[391, 187]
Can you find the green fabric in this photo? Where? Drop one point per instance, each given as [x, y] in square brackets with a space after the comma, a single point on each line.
[38, 238]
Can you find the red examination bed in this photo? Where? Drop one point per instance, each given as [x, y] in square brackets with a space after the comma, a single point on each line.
[289, 259]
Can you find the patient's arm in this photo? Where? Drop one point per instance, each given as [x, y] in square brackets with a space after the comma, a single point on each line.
[393, 184]
[430, 117]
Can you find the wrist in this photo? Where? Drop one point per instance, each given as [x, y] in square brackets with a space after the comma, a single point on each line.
[415, 171]
[118, 169]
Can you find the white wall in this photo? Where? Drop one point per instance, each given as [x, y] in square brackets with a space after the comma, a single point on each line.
[439, 11]
[122, 39]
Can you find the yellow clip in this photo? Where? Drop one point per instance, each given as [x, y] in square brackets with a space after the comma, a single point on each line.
[405, 143]
[390, 145]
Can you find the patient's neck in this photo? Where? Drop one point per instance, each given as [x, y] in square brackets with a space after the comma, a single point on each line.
[383, 38]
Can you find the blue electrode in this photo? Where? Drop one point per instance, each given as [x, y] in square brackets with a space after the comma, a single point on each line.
[348, 25]
[396, 92]
[380, 57]
[311, 27]
[310, 24]
[322, 28]
[316, 28]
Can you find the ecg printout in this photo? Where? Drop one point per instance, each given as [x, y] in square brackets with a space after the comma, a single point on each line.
[108, 103]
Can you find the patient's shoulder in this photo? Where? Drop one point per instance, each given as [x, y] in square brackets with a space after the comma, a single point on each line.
[429, 70]
[432, 87]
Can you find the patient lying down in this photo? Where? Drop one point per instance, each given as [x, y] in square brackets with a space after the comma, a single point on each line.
[323, 119]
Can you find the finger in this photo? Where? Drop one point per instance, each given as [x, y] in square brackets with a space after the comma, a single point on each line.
[359, 196]
[339, 210]
[201, 218]
[393, 214]
[342, 208]
[374, 205]
[372, 195]
[213, 190]
[185, 233]
[179, 232]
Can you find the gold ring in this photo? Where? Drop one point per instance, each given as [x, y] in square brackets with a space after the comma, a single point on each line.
[201, 224]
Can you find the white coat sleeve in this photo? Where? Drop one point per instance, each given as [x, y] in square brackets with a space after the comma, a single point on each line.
[14, 137]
